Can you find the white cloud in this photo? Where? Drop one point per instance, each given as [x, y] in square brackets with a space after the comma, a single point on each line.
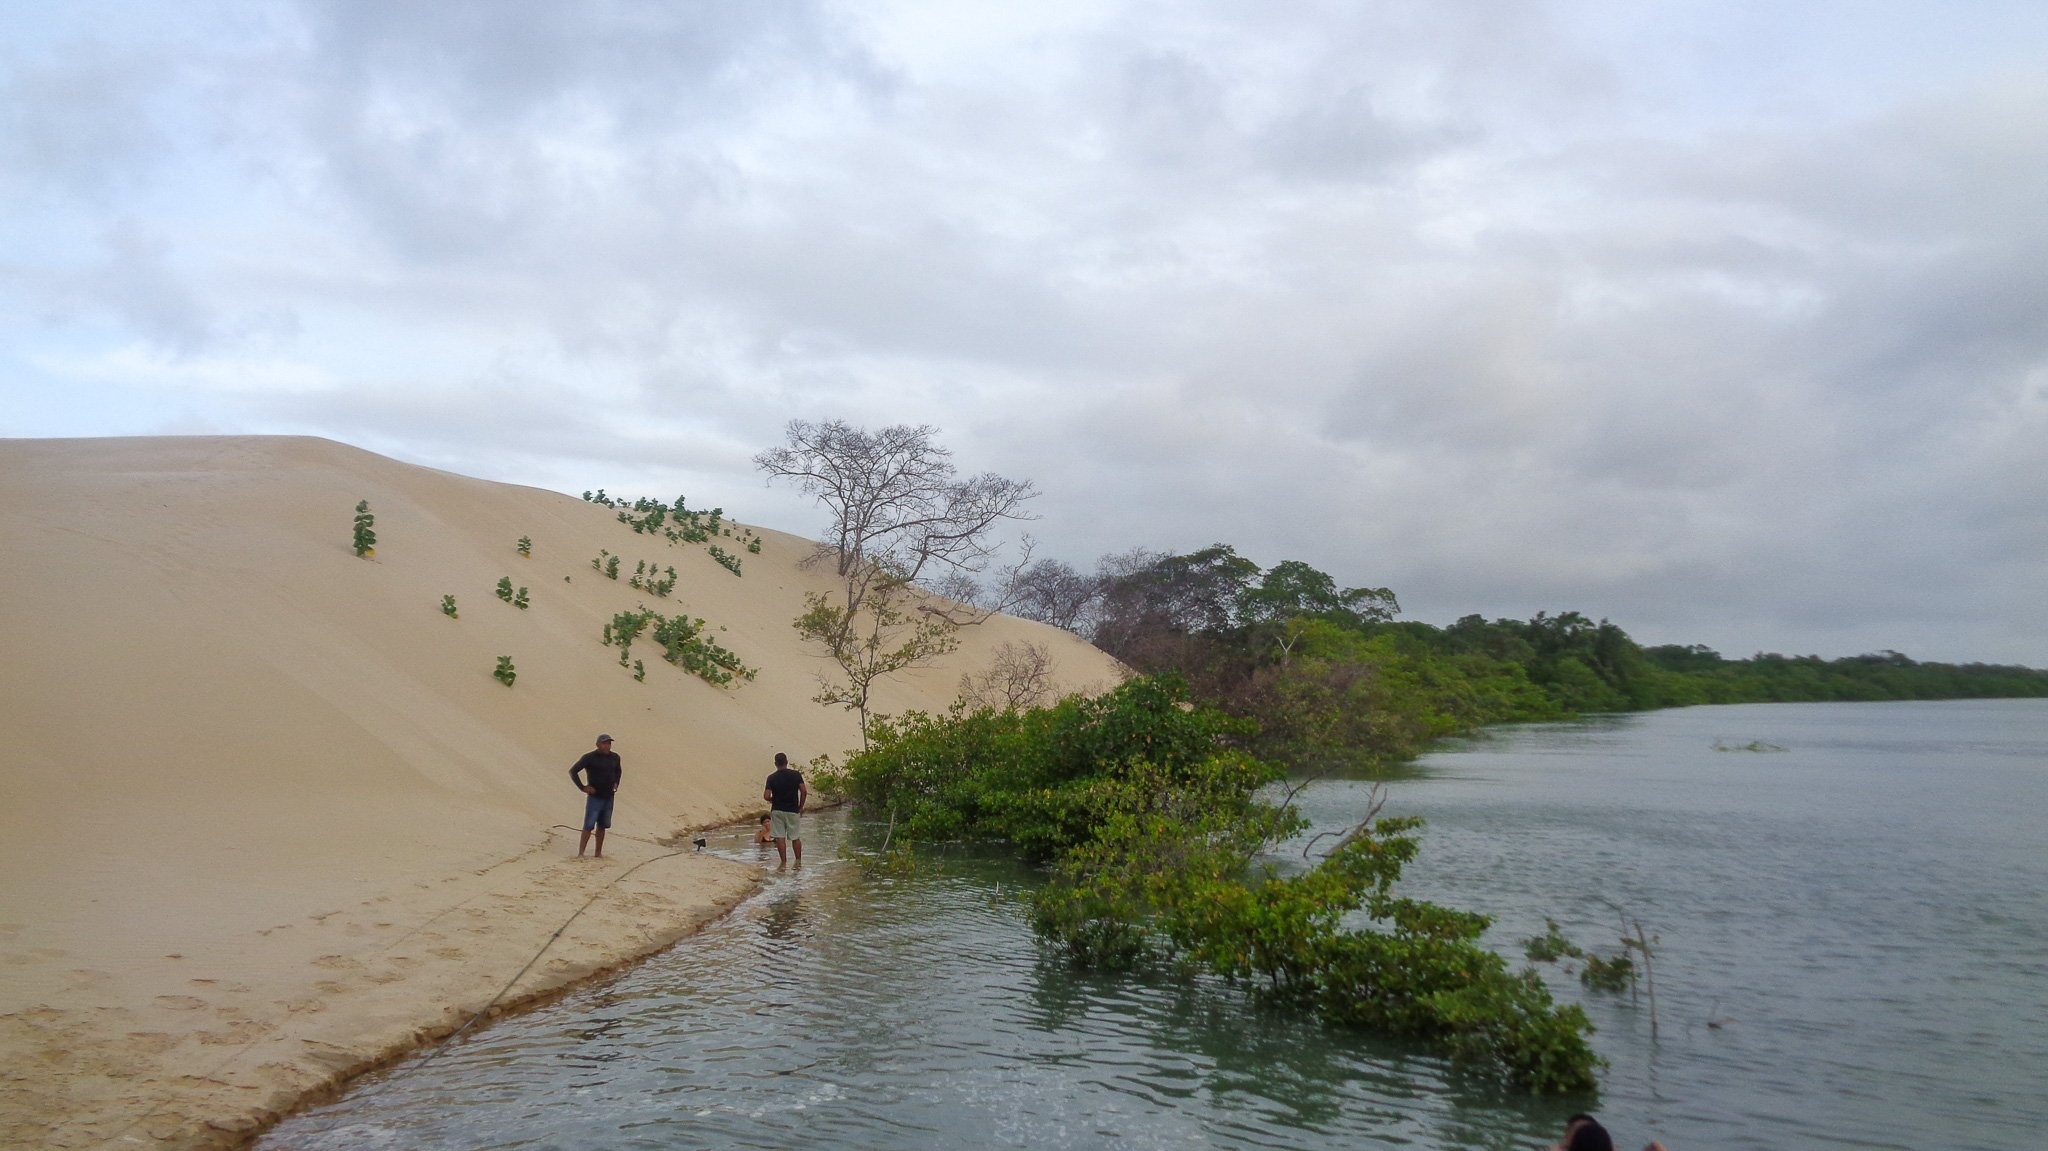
[1721, 321]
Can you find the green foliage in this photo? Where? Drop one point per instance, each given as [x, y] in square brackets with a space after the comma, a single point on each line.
[1609, 973]
[526, 546]
[448, 606]
[365, 534]
[726, 559]
[648, 577]
[1335, 683]
[875, 638]
[1597, 972]
[1156, 832]
[683, 643]
[505, 588]
[504, 673]
[639, 671]
[1550, 946]
[601, 499]
[519, 599]
[605, 564]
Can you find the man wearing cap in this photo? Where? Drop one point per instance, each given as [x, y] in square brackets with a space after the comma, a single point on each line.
[601, 768]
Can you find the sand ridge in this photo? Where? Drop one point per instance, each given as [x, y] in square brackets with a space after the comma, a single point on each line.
[269, 819]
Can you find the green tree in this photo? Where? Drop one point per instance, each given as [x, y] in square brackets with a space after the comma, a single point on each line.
[880, 635]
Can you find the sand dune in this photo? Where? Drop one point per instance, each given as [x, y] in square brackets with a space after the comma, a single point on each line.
[268, 816]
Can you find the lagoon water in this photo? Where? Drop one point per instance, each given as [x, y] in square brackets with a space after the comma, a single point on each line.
[1849, 904]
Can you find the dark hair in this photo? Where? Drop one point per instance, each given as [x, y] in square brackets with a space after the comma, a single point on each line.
[1586, 1135]
[781, 760]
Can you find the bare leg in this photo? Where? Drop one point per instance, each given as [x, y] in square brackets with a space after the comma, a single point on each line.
[782, 850]
[799, 845]
[600, 843]
[583, 841]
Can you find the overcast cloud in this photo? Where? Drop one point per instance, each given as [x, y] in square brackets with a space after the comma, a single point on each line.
[1726, 321]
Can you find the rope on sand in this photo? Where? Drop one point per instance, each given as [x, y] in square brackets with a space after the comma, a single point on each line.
[434, 1049]
[441, 1044]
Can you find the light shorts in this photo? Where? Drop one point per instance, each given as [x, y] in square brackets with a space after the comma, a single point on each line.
[784, 825]
[597, 810]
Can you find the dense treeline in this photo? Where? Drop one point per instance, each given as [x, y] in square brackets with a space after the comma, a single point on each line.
[1335, 681]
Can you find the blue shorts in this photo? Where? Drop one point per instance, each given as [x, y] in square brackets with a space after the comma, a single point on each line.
[597, 810]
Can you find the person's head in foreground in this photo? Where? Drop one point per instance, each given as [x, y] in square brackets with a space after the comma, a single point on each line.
[1584, 1133]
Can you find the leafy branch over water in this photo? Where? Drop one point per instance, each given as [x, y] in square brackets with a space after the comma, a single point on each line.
[1152, 823]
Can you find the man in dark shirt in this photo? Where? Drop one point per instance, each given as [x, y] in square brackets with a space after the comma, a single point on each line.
[601, 769]
[786, 793]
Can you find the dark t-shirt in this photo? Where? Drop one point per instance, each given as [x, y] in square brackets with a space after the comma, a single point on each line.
[783, 783]
[604, 770]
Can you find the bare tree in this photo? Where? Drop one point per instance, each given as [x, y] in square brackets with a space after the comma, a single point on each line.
[1050, 591]
[1020, 676]
[902, 523]
[895, 497]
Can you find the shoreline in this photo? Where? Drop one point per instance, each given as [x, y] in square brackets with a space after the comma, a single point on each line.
[205, 1049]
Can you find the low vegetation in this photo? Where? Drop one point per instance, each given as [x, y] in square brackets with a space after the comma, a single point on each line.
[1156, 825]
[683, 643]
[366, 530]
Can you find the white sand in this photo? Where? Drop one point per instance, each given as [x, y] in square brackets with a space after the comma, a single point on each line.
[268, 819]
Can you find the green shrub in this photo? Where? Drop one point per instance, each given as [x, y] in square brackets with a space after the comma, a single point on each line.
[366, 535]
[448, 606]
[504, 673]
[1615, 973]
[1155, 825]
[682, 644]
[505, 588]
[526, 546]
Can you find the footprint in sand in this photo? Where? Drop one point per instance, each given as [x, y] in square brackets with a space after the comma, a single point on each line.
[152, 1042]
[234, 1033]
[449, 952]
[337, 963]
[180, 1002]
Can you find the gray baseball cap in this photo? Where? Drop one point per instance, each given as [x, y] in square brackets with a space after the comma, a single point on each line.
[604, 739]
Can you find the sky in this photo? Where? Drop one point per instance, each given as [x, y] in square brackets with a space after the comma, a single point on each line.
[1724, 320]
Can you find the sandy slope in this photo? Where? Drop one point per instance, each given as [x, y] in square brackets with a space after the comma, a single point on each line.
[267, 816]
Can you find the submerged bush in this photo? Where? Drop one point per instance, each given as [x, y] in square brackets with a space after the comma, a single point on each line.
[1154, 827]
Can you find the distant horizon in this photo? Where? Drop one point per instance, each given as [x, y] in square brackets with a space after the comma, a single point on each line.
[1405, 616]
